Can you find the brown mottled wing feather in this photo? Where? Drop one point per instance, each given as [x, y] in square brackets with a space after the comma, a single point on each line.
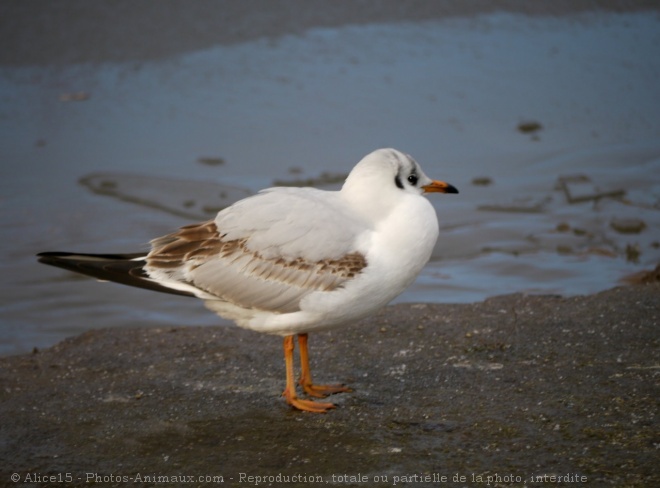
[228, 269]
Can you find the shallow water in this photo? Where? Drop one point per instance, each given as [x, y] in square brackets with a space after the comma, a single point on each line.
[452, 93]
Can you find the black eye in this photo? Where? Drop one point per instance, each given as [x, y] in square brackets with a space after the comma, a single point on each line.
[412, 179]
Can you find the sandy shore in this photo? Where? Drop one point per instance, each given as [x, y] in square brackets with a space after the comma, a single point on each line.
[44, 32]
[514, 386]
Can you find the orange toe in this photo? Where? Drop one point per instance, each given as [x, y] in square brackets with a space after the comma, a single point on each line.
[307, 405]
[322, 391]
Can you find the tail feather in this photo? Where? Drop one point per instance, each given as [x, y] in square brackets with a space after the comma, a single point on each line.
[127, 269]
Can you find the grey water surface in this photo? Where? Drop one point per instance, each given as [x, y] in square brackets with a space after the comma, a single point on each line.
[548, 125]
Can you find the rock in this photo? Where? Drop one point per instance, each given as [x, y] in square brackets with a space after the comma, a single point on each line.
[628, 225]
[546, 382]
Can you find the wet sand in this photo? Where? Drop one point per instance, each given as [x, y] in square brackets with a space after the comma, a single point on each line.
[43, 32]
[516, 386]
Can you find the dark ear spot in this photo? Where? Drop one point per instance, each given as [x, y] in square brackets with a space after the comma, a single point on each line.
[397, 181]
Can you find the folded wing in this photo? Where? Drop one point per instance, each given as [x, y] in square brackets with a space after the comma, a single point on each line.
[260, 253]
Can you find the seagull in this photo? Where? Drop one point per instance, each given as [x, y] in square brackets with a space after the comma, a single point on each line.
[292, 261]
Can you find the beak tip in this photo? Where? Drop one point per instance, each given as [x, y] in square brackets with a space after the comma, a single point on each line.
[440, 187]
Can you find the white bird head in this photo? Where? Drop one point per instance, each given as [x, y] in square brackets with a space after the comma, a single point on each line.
[382, 178]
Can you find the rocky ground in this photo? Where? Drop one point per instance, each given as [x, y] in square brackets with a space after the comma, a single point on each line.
[520, 387]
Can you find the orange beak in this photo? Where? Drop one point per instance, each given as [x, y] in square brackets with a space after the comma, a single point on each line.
[439, 187]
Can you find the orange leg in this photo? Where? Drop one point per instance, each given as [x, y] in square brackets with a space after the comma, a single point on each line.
[290, 390]
[318, 391]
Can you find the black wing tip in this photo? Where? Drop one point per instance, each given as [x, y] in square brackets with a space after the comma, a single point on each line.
[51, 254]
[57, 255]
[51, 257]
[126, 269]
